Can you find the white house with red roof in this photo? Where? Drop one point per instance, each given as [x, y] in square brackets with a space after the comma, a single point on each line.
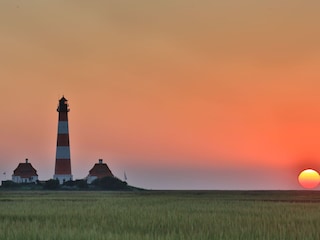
[99, 170]
[25, 173]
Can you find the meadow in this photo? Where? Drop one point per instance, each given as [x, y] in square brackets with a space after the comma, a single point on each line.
[160, 215]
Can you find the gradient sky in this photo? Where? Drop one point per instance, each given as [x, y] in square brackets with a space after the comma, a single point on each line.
[180, 94]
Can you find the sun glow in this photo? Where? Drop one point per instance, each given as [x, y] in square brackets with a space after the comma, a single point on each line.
[309, 178]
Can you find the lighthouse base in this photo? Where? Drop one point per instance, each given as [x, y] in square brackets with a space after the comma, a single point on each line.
[62, 177]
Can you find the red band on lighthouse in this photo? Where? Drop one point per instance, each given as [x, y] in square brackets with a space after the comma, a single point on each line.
[63, 140]
[63, 163]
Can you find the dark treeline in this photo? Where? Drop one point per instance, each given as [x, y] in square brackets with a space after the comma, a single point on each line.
[106, 183]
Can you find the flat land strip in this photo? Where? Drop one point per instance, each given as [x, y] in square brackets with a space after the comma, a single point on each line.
[160, 215]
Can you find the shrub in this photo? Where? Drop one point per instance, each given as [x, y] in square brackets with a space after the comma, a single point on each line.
[110, 183]
[51, 184]
[81, 184]
[9, 184]
[77, 184]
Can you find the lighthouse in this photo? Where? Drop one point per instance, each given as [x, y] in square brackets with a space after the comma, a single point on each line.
[62, 170]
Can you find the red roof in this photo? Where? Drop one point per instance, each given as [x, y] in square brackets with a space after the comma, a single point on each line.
[100, 170]
[25, 170]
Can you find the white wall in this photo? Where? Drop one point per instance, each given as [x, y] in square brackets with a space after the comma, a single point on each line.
[18, 179]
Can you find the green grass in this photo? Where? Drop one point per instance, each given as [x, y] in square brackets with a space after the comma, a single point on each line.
[160, 215]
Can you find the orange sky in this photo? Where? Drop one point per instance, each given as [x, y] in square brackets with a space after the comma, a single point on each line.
[209, 94]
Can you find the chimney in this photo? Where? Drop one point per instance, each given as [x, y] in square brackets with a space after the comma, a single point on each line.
[100, 161]
[26, 160]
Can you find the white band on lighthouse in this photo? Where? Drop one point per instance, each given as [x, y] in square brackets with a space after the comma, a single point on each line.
[63, 152]
[63, 127]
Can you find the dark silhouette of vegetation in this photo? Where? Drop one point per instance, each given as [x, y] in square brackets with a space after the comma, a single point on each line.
[9, 184]
[106, 183]
[110, 183]
[77, 184]
[82, 184]
[51, 184]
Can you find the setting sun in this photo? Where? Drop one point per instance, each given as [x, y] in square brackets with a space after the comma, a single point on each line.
[309, 178]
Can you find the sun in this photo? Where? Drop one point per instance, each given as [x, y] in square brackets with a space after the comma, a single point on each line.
[309, 178]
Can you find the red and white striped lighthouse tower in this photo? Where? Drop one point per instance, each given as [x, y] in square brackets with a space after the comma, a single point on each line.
[62, 170]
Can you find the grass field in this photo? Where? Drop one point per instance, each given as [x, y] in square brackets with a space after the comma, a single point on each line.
[160, 215]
